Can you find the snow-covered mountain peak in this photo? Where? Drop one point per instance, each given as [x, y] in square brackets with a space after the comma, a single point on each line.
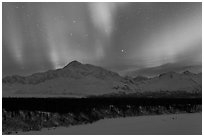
[73, 64]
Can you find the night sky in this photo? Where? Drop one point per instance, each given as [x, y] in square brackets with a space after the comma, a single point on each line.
[118, 36]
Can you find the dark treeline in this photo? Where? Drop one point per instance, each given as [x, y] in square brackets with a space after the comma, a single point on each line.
[74, 104]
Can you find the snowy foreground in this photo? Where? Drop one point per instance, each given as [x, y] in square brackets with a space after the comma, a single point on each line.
[190, 123]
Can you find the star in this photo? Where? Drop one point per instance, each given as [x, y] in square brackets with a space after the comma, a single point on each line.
[122, 51]
[147, 18]
[55, 18]
[71, 34]
[28, 15]
[74, 21]
[86, 35]
[38, 25]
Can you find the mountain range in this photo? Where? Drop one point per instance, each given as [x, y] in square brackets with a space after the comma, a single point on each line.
[82, 80]
[155, 71]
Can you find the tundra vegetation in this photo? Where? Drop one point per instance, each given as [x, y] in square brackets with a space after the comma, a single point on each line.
[47, 113]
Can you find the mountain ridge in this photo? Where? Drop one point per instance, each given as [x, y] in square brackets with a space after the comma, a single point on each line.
[74, 69]
[77, 79]
[155, 71]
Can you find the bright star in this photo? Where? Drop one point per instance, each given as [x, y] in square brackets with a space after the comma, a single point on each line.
[74, 21]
